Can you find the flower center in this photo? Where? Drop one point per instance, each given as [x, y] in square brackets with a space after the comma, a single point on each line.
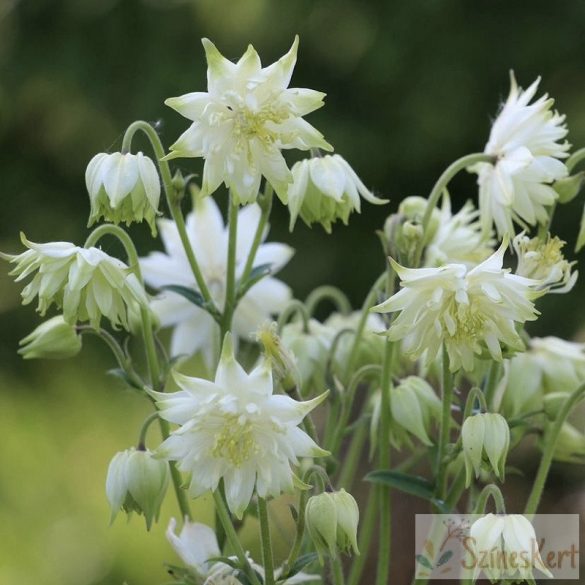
[470, 323]
[235, 442]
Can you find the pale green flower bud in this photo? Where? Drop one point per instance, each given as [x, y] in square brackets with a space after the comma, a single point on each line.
[485, 436]
[570, 447]
[137, 482]
[332, 521]
[123, 188]
[325, 189]
[544, 261]
[282, 361]
[413, 208]
[310, 349]
[53, 339]
[414, 405]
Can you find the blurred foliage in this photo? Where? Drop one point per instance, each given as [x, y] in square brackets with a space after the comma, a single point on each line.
[411, 86]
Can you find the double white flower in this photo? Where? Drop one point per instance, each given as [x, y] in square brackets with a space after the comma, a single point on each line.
[244, 120]
[468, 310]
[194, 328]
[235, 429]
[525, 141]
[85, 282]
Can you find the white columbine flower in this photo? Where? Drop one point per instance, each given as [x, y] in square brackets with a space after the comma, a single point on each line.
[543, 260]
[235, 429]
[194, 329]
[525, 141]
[325, 189]
[467, 310]
[85, 282]
[458, 238]
[197, 545]
[123, 188]
[509, 544]
[244, 120]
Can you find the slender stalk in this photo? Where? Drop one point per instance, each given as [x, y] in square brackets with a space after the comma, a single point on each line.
[445, 431]
[299, 534]
[490, 491]
[365, 537]
[145, 426]
[550, 442]
[332, 293]
[475, 395]
[491, 383]
[337, 571]
[230, 293]
[440, 186]
[384, 495]
[295, 306]
[267, 557]
[266, 206]
[224, 517]
[353, 456]
[173, 200]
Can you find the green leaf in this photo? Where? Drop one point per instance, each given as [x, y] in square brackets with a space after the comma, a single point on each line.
[444, 558]
[122, 375]
[302, 562]
[256, 274]
[422, 560]
[193, 296]
[409, 484]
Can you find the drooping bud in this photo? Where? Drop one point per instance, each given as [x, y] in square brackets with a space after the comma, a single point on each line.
[53, 339]
[570, 447]
[332, 522]
[568, 188]
[543, 260]
[137, 482]
[284, 366]
[325, 189]
[486, 439]
[123, 188]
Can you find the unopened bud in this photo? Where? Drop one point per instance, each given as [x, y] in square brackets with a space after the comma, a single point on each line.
[53, 339]
[569, 187]
[283, 363]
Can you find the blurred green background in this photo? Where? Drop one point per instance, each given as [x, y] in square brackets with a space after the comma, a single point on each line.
[411, 86]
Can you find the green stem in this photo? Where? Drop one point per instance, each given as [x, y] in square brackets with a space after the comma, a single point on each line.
[224, 517]
[295, 306]
[332, 293]
[337, 571]
[267, 557]
[299, 534]
[230, 293]
[348, 398]
[475, 395]
[445, 431]
[577, 157]
[438, 188]
[368, 303]
[491, 384]
[266, 206]
[145, 426]
[366, 535]
[384, 495]
[494, 492]
[173, 201]
[550, 442]
[352, 458]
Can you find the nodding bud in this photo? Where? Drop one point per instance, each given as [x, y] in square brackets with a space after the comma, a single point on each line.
[53, 339]
[332, 521]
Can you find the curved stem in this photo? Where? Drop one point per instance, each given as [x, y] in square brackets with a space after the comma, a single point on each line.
[224, 517]
[173, 200]
[475, 395]
[445, 432]
[438, 188]
[267, 557]
[348, 398]
[550, 442]
[145, 426]
[332, 293]
[577, 157]
[384, 494]
[490, 491]
[230, 293]
[266, 206]
[110, 229]
[295, 306]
